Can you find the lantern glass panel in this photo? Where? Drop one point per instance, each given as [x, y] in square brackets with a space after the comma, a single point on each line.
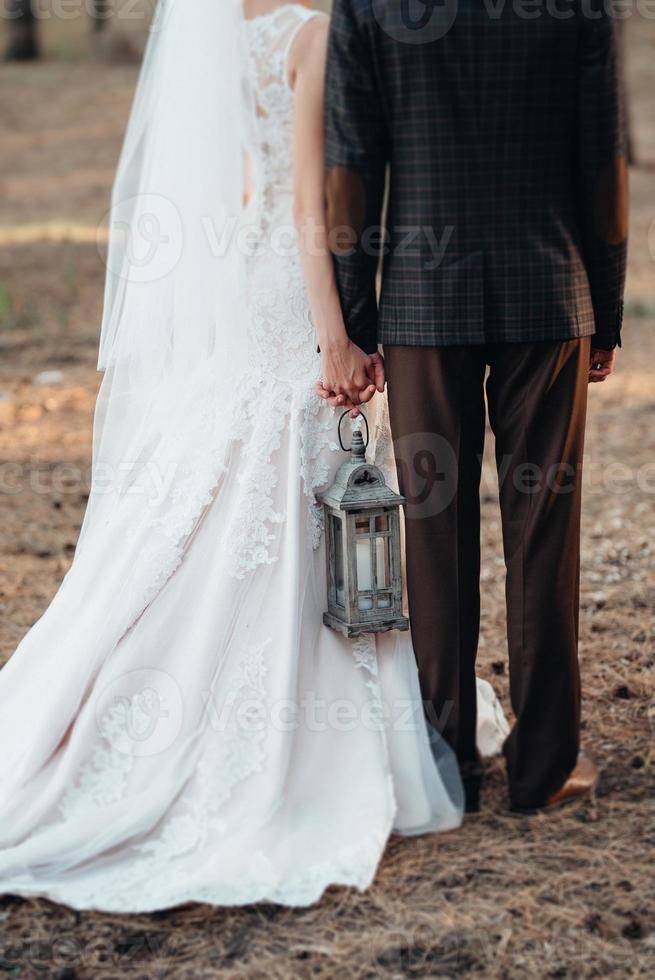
[364, 570]
[382, 563]
[339, 579]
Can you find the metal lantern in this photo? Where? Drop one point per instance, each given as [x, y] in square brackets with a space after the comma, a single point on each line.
[362, 523]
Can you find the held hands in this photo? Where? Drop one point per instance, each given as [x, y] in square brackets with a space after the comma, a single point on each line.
[349, 377]
[601, 364]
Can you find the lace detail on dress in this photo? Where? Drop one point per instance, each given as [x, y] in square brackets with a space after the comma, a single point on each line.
[282, 336]
[103, 780]
[382, 451]
[249, 535]
[268, 40]
[250, 539]
[364, 653]
[170, 527]
[317, 443]
[234, 751]
[364, 650]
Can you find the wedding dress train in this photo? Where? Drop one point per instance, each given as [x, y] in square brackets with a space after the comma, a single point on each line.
[180, 725]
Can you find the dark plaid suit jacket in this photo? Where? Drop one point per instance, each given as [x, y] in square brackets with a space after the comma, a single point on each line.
[506, 217]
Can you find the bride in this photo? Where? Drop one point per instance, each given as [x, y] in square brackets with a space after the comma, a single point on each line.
[180, 725]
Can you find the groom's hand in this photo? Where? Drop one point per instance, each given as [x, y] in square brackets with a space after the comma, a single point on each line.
[378, 377]
[349, 376]
[601, 364]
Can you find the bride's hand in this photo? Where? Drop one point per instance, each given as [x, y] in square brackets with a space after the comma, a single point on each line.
[337, 401]
[349, 377]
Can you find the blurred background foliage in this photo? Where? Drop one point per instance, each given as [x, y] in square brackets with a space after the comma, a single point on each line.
[115, 30]
[78, 28]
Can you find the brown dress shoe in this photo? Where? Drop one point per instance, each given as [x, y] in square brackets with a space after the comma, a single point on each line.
[583, 780]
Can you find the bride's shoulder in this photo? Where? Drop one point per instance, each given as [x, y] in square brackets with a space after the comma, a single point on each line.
[314, 25]
[309, 44]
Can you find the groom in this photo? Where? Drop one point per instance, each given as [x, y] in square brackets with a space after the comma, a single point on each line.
[505, 253]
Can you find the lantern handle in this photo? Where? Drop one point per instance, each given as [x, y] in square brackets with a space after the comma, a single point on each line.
[368, 433]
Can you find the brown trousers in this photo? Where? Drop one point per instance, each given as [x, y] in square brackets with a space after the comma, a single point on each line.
[537, 396]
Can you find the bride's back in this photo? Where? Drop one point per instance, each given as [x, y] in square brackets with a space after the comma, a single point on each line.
[269, 39]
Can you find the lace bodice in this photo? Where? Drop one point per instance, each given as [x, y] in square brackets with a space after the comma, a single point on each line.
[269, 39]
[282, 336]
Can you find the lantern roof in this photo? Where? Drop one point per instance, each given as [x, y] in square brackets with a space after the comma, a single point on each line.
[359, 485]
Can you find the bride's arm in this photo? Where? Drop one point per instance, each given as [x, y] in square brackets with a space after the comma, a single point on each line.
[347, 372]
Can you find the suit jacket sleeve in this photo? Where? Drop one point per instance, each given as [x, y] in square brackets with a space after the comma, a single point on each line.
[602, 171]
[356, 157]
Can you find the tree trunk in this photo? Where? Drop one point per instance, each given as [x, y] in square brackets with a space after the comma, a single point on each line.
[100, 13]
[23, 44]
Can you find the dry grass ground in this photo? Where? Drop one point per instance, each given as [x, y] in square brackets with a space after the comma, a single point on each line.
[569, 896]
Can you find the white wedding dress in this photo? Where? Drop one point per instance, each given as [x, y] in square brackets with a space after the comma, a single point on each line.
[180, 726]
